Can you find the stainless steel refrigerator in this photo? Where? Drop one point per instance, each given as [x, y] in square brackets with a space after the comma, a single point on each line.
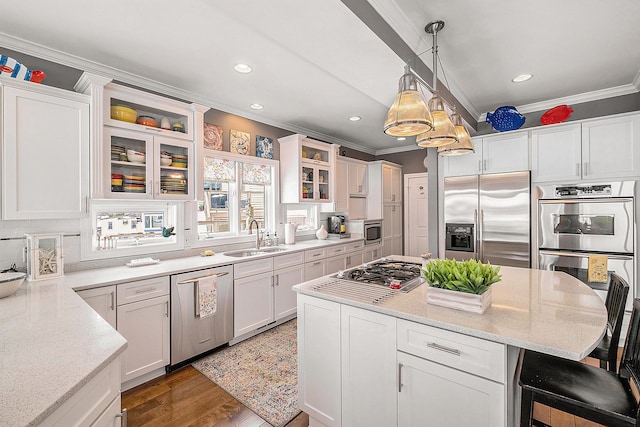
[488, 218]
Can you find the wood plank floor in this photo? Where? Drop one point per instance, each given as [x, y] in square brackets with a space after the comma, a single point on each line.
[188, 398]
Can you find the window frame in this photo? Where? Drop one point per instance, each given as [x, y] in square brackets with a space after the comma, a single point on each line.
[235, 235]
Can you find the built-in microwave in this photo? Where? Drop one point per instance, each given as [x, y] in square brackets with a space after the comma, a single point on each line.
[369, 229]
[372, 232]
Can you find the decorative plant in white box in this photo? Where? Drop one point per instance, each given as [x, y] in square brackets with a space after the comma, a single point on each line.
[463, 285]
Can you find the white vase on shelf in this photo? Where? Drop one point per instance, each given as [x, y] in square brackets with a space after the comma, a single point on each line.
[322, 233]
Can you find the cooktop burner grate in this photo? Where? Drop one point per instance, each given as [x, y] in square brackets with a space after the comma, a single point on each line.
[384, 272]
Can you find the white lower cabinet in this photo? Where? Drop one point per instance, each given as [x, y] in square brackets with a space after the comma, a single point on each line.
[97, 403]
[112, 416]
[371, 254]
[335, 264]
[252, 303]
[362, 368]
[315, 269]
[445, 396]
[369, 374]
[143, 320]
[103, 302]
[262, 291]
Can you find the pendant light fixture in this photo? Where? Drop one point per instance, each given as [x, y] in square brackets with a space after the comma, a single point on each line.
[409, 114]
[443, 132]
[464, 144]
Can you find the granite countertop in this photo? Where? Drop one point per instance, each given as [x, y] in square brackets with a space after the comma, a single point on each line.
[545, 311]
[52, 342]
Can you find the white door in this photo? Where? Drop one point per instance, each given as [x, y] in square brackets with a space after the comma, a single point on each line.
[252, 303]
[416, 214]
[103, 302]
[285, 297]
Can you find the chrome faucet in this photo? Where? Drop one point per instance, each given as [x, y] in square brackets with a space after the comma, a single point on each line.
[257, 232]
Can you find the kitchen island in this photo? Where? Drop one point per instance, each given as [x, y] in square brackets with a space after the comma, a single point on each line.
[400, 361]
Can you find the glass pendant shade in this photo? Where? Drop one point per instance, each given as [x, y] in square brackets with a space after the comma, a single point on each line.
[464, 144]
[409, 114]
[443, 132]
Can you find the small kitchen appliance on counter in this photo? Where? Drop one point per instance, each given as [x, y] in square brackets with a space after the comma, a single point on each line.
[337, 227]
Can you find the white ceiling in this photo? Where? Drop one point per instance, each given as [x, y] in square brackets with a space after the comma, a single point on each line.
[316, 63]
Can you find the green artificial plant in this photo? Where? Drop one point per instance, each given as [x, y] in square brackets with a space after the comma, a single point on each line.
[468, 276]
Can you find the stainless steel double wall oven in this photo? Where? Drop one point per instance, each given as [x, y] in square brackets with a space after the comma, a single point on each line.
[576, 221]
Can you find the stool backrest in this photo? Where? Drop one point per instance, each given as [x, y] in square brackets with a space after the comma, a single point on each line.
[630, 363]
[615, 303]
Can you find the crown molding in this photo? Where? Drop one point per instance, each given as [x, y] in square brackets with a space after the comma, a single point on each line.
[577, 99]
[397, 149]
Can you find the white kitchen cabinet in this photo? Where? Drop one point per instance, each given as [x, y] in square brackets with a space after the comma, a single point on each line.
[319, 378]
[391, 184]
[493, 154]
[315, 269]
[307, 170]
[358, 185]
[103, 301]
[388, 204]
[143, 320]
[112, 416]
[371, 253]
[368, 345]
[335, 264]
[151, 179]
[95, 404]
[434, 392]
[392, 230]
[288, 271]
[45, 152]
[353, 259]
[252, 303]
[341, 199]
[602, 148]
[556, 153]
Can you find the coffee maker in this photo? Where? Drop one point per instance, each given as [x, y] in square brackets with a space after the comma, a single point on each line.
[336, 225]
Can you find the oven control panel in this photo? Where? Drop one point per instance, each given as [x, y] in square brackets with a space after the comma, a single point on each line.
[583, 190]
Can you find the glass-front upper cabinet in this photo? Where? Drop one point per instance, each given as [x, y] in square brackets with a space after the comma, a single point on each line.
[144, 166]
[307, 171]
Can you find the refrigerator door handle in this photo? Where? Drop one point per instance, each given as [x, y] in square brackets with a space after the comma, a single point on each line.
[477, 231]
[481, 229]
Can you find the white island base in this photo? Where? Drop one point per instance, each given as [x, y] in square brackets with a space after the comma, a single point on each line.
[405, 363]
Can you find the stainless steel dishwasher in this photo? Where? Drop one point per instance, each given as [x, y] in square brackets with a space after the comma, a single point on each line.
[192, 335]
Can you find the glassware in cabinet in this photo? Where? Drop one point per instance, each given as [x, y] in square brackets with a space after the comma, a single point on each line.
[127, 167]
[174, 159]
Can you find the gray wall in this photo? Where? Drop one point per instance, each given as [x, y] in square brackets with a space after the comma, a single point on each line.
[411, 161]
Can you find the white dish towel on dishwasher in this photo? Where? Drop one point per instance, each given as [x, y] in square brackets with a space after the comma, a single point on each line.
[208, 296]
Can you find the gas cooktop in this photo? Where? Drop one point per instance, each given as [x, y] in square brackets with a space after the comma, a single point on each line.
[401, 275]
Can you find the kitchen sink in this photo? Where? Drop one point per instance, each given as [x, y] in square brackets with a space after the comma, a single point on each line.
[252, 252]
[243, 253]
[272, 249]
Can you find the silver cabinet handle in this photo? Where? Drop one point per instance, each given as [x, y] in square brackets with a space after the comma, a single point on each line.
[399, 377]
[277, 279]
[484, 166]
[316, 263]
[123, 416]
[316, 255]
[166, 308]
[585, 170]
[439, 347]
[113, 300]
[393, 197]
[86, 204]
[143, 290]
[184, 282]
[578, 169]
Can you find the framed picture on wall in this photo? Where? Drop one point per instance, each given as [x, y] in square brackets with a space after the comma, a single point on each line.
[264, 147]
[212, 136]
[239, 142]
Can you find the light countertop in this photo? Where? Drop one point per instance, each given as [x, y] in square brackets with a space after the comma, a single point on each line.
[545, 311]
[52, 342]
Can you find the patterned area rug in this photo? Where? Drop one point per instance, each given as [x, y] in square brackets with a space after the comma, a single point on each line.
[261, 372]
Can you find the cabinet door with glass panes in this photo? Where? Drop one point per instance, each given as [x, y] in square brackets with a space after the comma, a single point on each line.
[144, 166]
[315, 182]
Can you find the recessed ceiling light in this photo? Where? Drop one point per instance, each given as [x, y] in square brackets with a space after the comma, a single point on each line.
[242, 68]
[256, 106]
[521, 78]
[354, 118]
[401, 138]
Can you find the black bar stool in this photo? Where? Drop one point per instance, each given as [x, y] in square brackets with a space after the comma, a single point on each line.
[593, 393]
[607, 349]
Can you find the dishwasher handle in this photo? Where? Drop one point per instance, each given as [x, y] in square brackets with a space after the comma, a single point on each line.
[184, 282]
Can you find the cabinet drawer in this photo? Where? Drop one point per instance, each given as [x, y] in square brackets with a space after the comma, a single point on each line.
[142, 289]
[474, 355]
[288, 260]
[249, 268]
[352, 247]
[336, 250]
[314, 254]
